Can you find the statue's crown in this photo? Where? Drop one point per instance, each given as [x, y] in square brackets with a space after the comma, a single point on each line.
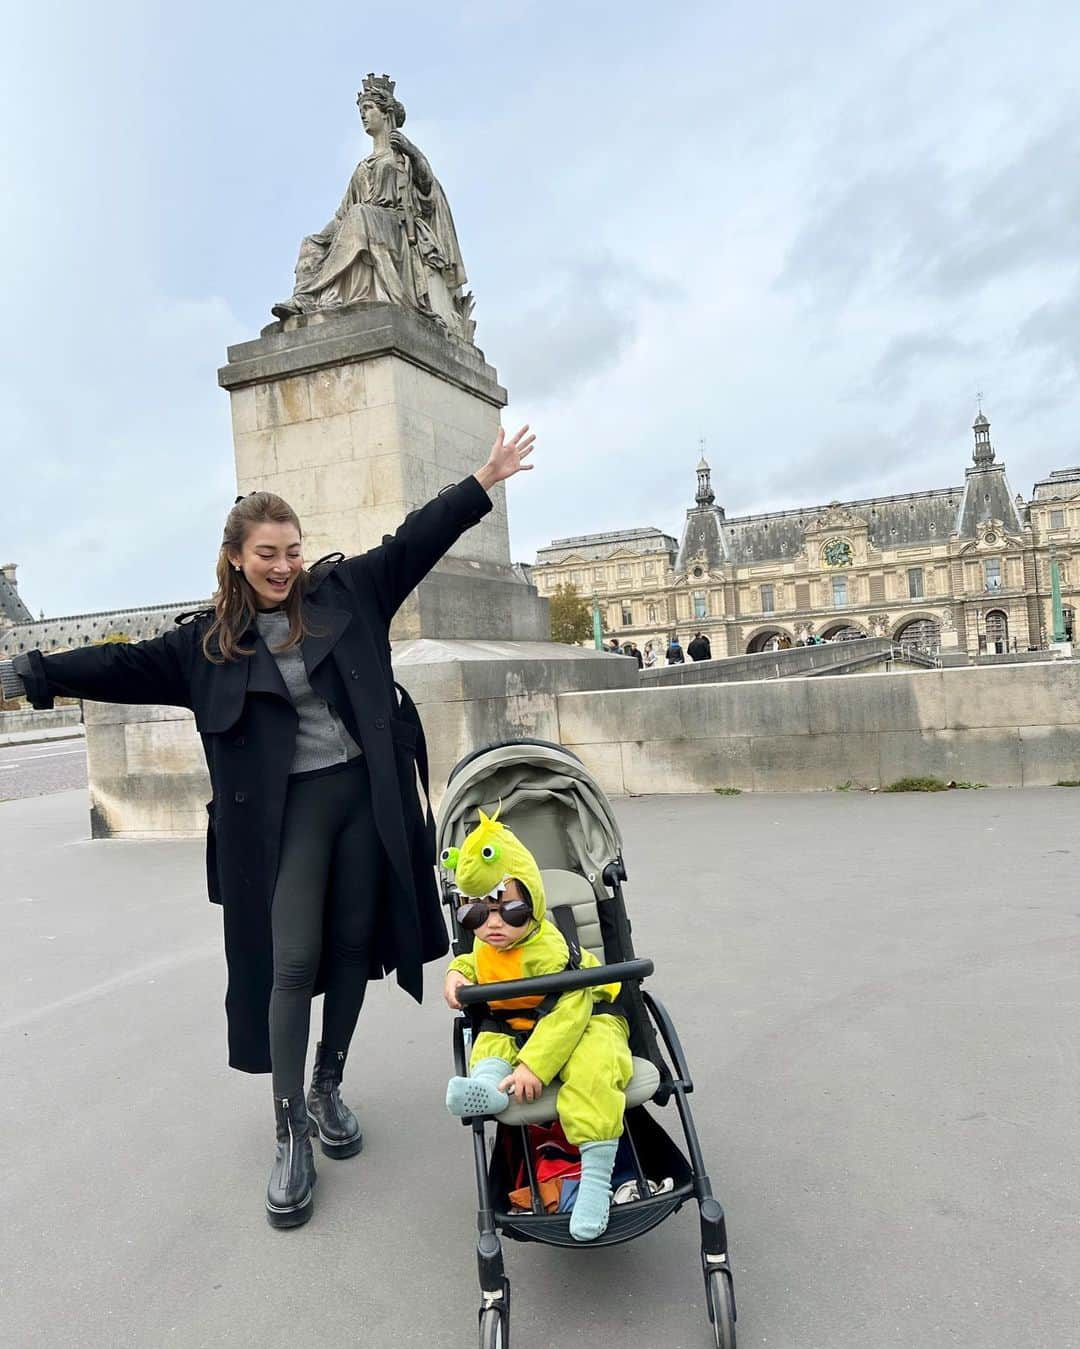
[382, 86]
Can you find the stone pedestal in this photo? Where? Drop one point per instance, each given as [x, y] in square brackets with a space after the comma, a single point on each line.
[358, 416]
[471, 693]
[147, 773]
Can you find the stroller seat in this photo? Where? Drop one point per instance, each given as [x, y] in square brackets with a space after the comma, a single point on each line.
[642, 1087]
[569, 889]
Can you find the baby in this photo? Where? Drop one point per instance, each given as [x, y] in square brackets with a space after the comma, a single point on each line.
[528, 1042]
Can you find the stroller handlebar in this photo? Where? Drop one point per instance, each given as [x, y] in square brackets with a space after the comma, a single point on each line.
[562, 982]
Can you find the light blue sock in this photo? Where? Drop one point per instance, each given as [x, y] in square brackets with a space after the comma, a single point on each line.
[479, 1094]
[589, 1218]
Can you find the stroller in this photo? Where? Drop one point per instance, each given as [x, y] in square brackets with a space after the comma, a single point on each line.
[547, 797]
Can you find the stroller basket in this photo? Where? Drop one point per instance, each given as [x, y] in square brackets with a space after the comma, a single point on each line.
[657, 1157]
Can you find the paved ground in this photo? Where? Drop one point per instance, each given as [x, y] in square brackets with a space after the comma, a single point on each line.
[878, 996]
[35, 769]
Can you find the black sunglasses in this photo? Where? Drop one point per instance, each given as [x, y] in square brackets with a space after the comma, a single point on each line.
[473, 913]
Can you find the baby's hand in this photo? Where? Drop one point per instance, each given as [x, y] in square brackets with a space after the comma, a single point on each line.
[522, 1084]
[454, 981]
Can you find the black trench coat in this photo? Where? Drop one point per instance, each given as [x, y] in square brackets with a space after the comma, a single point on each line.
[248, 727]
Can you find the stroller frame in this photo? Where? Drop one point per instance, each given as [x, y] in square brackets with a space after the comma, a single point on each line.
[650, 1024]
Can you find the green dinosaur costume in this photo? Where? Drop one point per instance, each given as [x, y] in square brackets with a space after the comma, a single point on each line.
[589, 1053]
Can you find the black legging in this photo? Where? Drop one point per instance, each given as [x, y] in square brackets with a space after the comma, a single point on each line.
[330, 852]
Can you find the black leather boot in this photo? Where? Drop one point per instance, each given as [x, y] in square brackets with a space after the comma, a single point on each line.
[338, 1130]
[289, 1194]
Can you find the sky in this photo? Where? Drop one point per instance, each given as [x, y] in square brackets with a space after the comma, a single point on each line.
[808, 234]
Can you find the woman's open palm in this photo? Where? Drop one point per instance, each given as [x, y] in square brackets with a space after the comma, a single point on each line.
[508, 456]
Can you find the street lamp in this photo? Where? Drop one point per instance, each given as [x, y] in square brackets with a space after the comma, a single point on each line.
[1055, 597]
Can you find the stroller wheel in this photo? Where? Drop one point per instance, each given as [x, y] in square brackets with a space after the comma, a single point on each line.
[721, 1302]
[494, 1329]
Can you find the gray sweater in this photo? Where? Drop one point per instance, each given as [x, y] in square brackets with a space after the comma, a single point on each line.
[321, 738]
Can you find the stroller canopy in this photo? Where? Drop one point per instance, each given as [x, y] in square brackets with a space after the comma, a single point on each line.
[545, 795]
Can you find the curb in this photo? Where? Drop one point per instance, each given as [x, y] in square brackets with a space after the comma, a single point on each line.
[15, 738]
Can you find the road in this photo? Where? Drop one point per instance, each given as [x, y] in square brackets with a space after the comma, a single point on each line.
[877, 997]
[36, 770]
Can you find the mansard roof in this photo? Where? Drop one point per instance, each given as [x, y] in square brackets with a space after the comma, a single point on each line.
[777, 536]
[602, 547]
[1062, 484]
[12, 607]
[904, 521]
[987, 496]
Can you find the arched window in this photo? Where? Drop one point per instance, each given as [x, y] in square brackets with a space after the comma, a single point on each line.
[997, 631]
[922, 634]
[770, 640]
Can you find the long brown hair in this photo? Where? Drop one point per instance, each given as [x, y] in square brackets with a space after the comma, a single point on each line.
[234, 599]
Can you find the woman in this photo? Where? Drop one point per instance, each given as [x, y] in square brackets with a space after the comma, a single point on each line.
[317, 847]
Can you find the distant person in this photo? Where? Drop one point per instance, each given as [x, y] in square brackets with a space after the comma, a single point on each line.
[614, 648]
[700, 648]
[631, 649]
[649, 655]
[675, 652]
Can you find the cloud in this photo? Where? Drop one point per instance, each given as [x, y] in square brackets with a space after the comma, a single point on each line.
[123, 500]
[906, 355]
[579, 320]
[946, 233]
[1054, 327]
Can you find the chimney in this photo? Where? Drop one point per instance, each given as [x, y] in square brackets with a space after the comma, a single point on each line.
[8, 568]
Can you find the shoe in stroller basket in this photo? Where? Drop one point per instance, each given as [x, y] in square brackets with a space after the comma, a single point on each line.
[543, 792]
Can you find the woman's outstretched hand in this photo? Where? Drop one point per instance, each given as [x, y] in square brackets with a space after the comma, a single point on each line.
[507, 458]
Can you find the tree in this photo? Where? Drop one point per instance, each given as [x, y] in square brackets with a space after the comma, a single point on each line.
[571, 616]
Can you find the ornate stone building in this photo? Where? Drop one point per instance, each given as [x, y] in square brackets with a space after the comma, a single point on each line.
[963, 568]
[74, 630]
[628, 570]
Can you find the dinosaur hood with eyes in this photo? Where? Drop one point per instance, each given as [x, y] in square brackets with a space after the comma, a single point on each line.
[490, 855]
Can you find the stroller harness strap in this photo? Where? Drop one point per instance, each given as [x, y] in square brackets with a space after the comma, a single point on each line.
[519, 1017]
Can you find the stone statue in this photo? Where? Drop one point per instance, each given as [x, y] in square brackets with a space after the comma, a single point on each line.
[392, 238]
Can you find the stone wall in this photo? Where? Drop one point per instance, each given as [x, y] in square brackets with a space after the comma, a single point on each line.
[147, 773]
[1010, 726]
[26, 719]
[828, 658]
